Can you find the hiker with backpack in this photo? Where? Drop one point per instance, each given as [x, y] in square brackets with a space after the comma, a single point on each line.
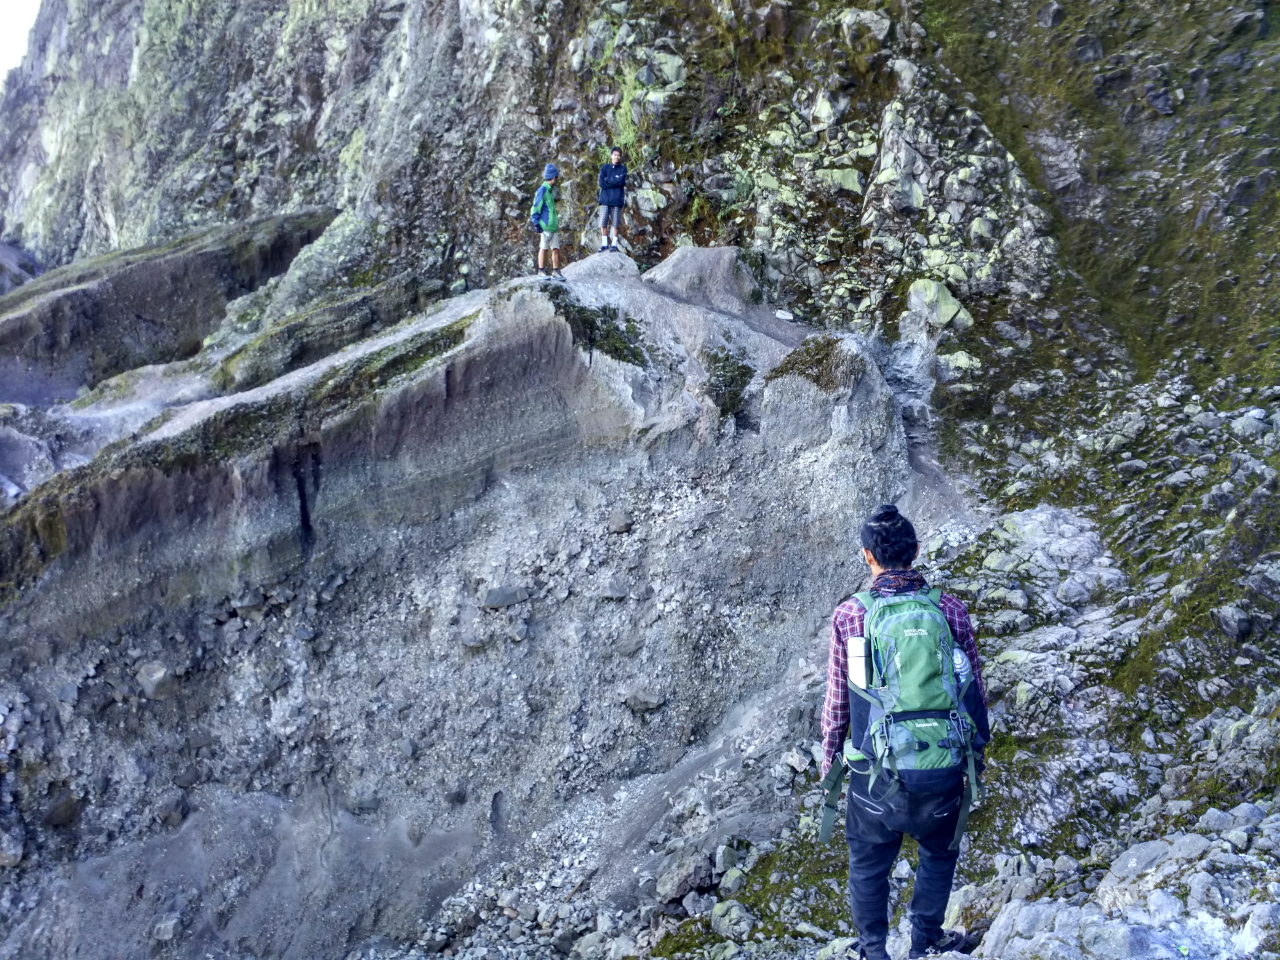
[546, 222]
[905, 720]
[612, 198]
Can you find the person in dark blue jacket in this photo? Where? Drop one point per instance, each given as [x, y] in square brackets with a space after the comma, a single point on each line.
[613, 186]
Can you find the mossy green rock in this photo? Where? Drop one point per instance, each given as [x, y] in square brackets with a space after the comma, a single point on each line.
[935, 303]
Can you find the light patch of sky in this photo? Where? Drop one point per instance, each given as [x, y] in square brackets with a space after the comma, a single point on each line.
[18, 17]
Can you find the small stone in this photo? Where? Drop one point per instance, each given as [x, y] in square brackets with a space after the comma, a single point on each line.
[1066, 866]
[156, 680]
[1177, 480]
[63, 810]
[813, 931]
[1249, 427]
[1247, 814]
[620, 520]
[1238, 839]
[726, 858]
[953, 366]
[696, 905]
[1086, 49]
[433, 943]
[1139, 859]
[1027, 390]
[330, 588]
[732, 881]
[495, 598]
[613, 589]
[1051, 14]
[1006, 331]
[408, 748]
[1214, 820]
[562, 942]
[167, 929]
[732, 920]
[248, 602]
[847, 179]
[1132, 467]
[173, 811]
[69, 693]
[797, 761]
[644, 701]
[620, 947]
[1072, 593]
[11, 846]
[934, 302]
[590, 946]
[840, 947]
[1232, 621]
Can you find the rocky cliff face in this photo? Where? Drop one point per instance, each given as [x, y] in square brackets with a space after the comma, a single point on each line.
[358, 598]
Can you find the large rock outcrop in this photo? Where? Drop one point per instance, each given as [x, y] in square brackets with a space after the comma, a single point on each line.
[495, 520]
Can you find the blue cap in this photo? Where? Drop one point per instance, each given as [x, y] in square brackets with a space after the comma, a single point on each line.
[549, 172]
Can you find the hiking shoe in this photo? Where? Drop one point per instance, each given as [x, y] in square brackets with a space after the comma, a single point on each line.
[949, 941]
[856, 951]
[615, 249]
[557, 275]
[604, 247]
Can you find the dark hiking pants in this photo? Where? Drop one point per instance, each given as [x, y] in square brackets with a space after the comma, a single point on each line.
[874, 829]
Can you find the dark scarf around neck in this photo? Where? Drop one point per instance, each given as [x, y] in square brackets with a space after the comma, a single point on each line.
[899, 581]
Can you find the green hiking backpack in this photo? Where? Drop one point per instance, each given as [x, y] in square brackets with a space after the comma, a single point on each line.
[914, 676]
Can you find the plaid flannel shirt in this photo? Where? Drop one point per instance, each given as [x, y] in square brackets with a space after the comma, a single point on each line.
[847, 622]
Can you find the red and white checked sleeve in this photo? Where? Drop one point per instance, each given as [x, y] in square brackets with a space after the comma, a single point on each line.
[957, 616]
[846, 622]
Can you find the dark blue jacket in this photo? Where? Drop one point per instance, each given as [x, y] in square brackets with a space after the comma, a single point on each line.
[613, 182]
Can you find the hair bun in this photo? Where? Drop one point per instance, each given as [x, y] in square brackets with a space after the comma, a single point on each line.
[886, 512]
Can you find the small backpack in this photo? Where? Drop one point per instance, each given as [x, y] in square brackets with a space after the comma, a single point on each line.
[539, 203]
[914, 675]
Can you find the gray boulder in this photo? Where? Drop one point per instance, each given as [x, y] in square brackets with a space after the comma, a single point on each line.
[732, 920]
[687, 872]
[1232, 621]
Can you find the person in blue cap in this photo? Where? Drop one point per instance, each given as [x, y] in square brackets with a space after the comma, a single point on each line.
[545, 220]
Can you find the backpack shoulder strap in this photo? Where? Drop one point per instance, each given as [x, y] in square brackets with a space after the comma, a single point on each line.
[867, 599]
[935, 596]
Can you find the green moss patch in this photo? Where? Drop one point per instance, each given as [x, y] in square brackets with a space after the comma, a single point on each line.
[823, 362]
[605, 329]
[728, 376]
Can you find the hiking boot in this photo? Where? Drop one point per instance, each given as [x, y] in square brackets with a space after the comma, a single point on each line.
[557, 275]
[615, 249]
[604, 247]
[949, 941]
